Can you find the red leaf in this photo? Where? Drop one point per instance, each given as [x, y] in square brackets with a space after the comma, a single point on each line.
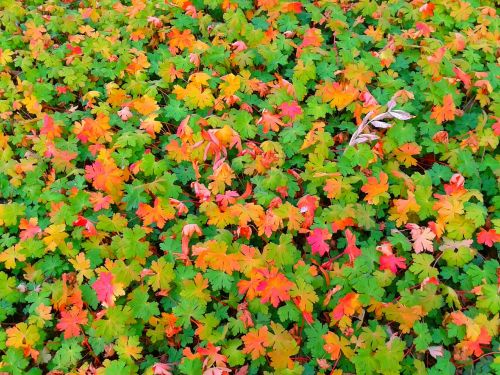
[100, 201]
[162, 369]
[488, 238]
[308, 205]
[50, 128]
[312, 37]
[496, 126]
[462, 76]
[352, 250]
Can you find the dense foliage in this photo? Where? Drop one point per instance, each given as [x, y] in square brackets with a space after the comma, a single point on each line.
[224, 186]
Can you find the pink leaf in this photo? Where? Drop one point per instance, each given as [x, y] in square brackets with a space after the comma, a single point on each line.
[381, 124]
[291, 110]
[125, 113]
[392, 263]
[217, 371]
[422, 238]
[436, 351]
[161, 369]
[104, 288]
[401, 115]
[317, 241]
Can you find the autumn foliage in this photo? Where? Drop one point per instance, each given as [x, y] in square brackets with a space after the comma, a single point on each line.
[249, 187]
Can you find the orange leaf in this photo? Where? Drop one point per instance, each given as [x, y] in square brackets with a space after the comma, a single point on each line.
[335, 344]
[405, 316]
[338, 94]
[93, 130]
[405, 153]
[270, 121]
[145, 105]
[446, 112]
[376, 190]
[180, 40]
[106, 176]
[154, 214]
[473, 347]
[256, 342]
[402, 207]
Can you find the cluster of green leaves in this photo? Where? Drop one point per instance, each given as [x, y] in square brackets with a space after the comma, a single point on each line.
[181, 190]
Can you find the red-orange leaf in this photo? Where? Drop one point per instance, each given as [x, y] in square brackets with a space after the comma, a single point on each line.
[275, 287]
[346, 306]
[70, 322]
[488, 237]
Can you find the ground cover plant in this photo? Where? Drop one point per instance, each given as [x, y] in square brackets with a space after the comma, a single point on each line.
[249, 187]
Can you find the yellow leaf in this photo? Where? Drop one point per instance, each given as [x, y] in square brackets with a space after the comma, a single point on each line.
[82, 266]
[358, 74]
[200, 78]
[32, 105]
[128, 347]
[405, 316]
[22, 335]
[284, 346]
[145, 105]
[230, 84]
[5, 56]
[56, 236]
[10, 256]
